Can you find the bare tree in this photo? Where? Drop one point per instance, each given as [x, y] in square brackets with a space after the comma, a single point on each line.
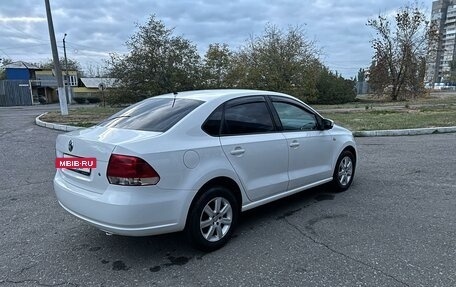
[4, 62]
[400, 47]
[94, 70]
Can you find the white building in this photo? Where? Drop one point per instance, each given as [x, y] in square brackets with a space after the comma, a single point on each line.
[438, 64]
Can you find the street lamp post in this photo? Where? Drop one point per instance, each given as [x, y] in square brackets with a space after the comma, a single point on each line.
[67, 82]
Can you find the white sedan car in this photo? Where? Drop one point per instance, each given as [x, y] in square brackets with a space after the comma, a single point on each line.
[194, 160]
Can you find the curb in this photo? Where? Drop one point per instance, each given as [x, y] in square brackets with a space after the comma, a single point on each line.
[379, 133]
[405, 132]
[53, 126]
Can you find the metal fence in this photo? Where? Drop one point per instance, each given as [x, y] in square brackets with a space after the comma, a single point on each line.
[15, 93]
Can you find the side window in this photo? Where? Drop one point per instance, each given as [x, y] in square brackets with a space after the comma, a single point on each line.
[212, 125]
[294, 118]
[247, 118]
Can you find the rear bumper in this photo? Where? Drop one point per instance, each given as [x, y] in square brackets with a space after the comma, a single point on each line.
[131, 211]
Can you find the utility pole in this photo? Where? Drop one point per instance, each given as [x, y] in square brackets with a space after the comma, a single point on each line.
[55, 56]
[67, 83]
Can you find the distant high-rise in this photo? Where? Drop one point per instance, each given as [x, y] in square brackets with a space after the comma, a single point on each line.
[438, 64]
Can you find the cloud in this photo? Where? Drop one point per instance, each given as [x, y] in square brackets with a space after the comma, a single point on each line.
[96, 28]
[22, 19]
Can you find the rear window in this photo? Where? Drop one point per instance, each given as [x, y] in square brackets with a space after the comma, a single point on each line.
[154, 114]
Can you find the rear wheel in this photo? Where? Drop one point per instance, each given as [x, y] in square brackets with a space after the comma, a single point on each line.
[344, 171]
[212, 219]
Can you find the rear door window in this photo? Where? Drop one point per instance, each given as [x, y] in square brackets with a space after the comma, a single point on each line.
[212, 125]
[154, 114]
[247, 117]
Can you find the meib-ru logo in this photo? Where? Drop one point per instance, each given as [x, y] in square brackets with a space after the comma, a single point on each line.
[75, 162]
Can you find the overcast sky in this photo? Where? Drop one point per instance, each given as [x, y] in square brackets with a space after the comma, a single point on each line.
[98, 27]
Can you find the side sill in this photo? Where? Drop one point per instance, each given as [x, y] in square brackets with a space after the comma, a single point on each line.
[283, 194]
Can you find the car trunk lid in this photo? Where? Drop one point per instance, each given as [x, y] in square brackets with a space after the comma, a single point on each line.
[97, 142]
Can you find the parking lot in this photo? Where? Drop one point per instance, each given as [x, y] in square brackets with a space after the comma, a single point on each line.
[395, 226]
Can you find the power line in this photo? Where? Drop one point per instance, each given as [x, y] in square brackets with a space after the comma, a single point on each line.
[24, 33]
[23, 46]
[84, 46]
[5, 53]
[88, 48]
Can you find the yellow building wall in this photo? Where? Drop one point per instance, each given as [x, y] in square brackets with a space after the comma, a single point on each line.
[84, 90]
[50, 73]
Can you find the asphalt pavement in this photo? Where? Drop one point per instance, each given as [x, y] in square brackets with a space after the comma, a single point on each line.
[395, 226]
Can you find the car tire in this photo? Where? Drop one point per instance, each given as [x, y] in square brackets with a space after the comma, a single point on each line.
[212, 219]
[344, 171]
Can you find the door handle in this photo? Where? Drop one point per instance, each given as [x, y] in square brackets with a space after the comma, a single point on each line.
[237, 151]
[294, 143]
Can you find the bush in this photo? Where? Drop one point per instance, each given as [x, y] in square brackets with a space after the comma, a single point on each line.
[93, 100]
[80, 100]
[334, 89]
[121, 97]
[86, 100]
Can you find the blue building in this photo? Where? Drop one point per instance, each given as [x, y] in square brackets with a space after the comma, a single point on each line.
[19, 71]
[16, 89]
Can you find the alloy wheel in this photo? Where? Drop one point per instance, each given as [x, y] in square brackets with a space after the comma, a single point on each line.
[345, 171]
[216, 219]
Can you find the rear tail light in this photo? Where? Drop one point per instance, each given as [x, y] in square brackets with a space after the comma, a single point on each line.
[130, 170]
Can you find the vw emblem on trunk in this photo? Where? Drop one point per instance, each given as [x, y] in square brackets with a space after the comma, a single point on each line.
[70, 145]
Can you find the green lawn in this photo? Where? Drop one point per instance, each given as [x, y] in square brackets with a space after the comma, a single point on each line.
[81, 117]
[403, 119]
[373, 102]
[364, 115]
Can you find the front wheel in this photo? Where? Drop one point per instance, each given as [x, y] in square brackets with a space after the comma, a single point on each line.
[212, 219]
[344, 171]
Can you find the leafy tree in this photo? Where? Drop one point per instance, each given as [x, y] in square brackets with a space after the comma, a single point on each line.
[379, 78]
[400, 46]
[216, 66]
[333, 88]
[277, 60]
[158, 62]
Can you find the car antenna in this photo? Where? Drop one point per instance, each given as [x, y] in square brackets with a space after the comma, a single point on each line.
[175, 94]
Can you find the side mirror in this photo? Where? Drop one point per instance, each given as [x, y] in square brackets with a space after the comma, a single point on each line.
[328, 124]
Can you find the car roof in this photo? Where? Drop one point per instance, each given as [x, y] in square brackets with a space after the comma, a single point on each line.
[221, 94]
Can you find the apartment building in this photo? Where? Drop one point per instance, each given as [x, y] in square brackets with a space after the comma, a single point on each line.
[444, 52]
